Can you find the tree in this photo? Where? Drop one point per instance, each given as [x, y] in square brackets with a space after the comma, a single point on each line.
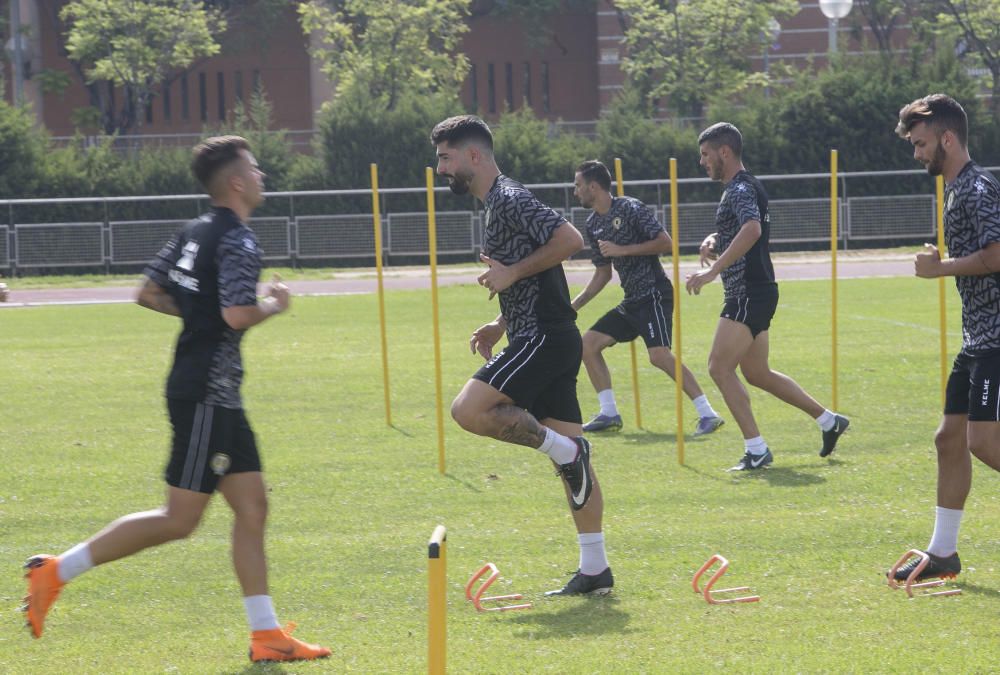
[976, 25]
[693, 52]
[387, 48]
[137, 45]
[882, 17]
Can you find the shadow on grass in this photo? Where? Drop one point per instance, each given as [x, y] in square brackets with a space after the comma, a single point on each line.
[646, 437]
[401, 430]
[580, 616]
[464, 483]
[779, 476]
[979, 590]
[260, 669]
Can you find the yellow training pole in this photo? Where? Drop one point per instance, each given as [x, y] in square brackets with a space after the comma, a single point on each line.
[678, 362]
[834, 211]
[432, 241]
[635, 363]
[437, 602]
[377, 219]
[941, 294]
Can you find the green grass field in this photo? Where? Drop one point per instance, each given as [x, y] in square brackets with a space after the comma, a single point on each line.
[84, 435]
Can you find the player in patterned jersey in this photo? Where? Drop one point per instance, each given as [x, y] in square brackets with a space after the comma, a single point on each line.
[207, 275]
[740, 251]
[938, 129]
[624, 234]
[526, 394]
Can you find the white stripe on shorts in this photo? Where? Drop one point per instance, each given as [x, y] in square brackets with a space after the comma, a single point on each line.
[194, 461]
[660, 319]
[522, 364]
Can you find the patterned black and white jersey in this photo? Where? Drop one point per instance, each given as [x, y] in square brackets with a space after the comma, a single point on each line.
[744, 199]
[971, 223]
[517, 224]
[211, 263]
[629, 222]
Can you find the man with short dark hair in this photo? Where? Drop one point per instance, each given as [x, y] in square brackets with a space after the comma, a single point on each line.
[207, 275]
[526, 394]
[938, 129]
[624, 234]
[739, 249]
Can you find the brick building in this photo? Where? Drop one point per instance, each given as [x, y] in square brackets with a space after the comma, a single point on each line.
[572, 76]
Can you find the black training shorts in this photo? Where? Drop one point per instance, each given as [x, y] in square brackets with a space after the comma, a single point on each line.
[209, 442]
[649, 317]
[973, 388]
[539, 374]
[755, 309]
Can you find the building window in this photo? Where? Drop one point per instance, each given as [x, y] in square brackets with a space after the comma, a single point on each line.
[185, 107]
[474, 85]
[491, 90]
[165, 93]
[545, 87]
[203, 97]
[238, 80]
[509, 73]
[221, 79]
[527, 84]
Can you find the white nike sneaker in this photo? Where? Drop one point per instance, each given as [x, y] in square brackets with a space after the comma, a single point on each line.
[577, 474]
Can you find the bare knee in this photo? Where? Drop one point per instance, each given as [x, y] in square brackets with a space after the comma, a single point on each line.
[464, 415]
[180, 525]
[593, 344]
[718, 371]
[252, 512]
[950, 443]
[756, 377]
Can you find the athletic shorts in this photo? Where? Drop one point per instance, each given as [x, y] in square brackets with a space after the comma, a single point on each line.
[539, 374]
[649, 317]
[973, 388]
[209, 442]
[755, 309]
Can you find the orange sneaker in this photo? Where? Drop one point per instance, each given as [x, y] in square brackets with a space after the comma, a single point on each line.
[278, 645]
[43, 589]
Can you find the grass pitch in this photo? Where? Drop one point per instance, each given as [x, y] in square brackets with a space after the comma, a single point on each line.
[84, 434]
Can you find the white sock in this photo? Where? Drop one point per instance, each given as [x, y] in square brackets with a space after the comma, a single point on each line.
[74, 562]
[703, 407]
[826, 420]
[593, 559]
[607, 400]
[560, 449]
[260, 612]
[944, 541]
[755, 446]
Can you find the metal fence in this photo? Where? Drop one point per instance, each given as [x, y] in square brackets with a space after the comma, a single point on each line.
[301, 235]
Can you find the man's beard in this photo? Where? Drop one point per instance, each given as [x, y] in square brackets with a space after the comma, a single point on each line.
[459, 184]
[936, 166]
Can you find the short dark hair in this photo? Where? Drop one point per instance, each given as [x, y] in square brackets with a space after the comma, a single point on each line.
[214, 154]
[723, 133]
[939, 111]
[593, 170]
[461, 129]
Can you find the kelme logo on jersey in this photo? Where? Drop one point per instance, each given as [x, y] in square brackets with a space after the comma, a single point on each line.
[616, 223]
[220, 463]
[248, 244]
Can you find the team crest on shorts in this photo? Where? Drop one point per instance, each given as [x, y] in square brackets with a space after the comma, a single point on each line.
[220, 463]
[616, 223]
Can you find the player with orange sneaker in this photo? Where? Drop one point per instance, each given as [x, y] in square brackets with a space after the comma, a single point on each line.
[207, 275]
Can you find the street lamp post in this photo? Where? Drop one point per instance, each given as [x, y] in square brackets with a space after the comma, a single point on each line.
[834, 11]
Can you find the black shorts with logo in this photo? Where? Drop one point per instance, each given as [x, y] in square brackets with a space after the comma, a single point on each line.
[539, 374]
[755, 309]
[973, 388]
[649, 317]
[209, 443]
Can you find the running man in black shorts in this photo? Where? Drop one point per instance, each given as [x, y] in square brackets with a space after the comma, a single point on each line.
[740, 252]
[207, 275]
[624, 234]
[938, 128]
[526, 394]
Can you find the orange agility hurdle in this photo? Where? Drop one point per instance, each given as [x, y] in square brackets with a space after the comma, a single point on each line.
[707, 591]
[909, 585]
[477, 599]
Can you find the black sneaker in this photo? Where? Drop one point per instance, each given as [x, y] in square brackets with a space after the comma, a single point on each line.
[751, 462]
[577, 475]
[937, 568]
[840, 424]
[587, 584]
